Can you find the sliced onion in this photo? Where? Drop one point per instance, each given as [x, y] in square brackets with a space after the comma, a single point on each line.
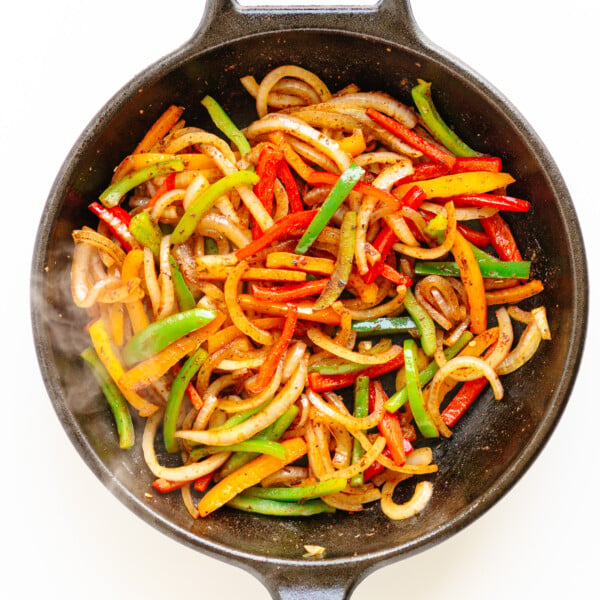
[505, 339]
[200, 138]
[470, 213]
[462, 368]
[322, 340]
[342, 417]
[539, 315]
[183, 473]
[418, 502]
[526, 347]
[238, 433]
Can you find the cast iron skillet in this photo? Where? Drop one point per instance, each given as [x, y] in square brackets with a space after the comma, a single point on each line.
[380, 49]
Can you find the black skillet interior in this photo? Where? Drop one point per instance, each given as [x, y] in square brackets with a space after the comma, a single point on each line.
[492, 446]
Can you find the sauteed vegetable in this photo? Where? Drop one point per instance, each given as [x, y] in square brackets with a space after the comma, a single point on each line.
[300, 307]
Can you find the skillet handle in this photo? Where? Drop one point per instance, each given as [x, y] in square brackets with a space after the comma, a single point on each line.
[226, 20]
[311, 580]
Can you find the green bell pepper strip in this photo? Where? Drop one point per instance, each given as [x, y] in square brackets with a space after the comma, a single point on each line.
[239, 417]
[383, 326]
[271, 433]
[423, 321]
[415, 394]
[180, 383]
[421, 94]
[114, 193]
[224, 123]
[279, 509]
[253, 445]
[300, 492]
[117, 403]
[337, 368]
[146, 232]
[361, 410]
[398, 399]
[343, 264]
[339, 192]
[158, 335]
[492, 269]
[205, 200]
[149, 235]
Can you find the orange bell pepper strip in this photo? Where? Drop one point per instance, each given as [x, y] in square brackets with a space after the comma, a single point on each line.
[470, 275]
[291, 156]
[267, 370]
[515, 294]
[248, 475]
[101, 342]
[132, 265]
[285, 293]
[327, 316]
[159, 129]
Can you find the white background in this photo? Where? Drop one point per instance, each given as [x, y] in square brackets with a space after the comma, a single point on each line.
[65, 535]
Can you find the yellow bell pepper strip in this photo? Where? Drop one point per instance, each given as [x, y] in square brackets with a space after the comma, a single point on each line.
[398, 399]
[415, 395]
[115, 399]
[490, 269]
[106, 354]
[298, 492]
[474, 182]
[472, 279]
[151, 369]
[160, 334]
[131, 268]
[248, 475]
[354, 144]
[114, 193]
[361, 410]
[423, 321]
[421, 94]
[339, 192]
[205, 201]
[159, 129]
[412, 139]
[276, 508]
[224, 123]
[271, 433]
[178, 388]
[343, 264]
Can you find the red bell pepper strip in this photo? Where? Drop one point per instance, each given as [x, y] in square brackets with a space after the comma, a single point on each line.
[117, 222]
[324, 178]
[394, 276]
[326, 383]
[266, 169]
[414, 197]
[464, 164]
[375, 468]
[425, 171]
[412, 139]
[492, 200]
[201, 484]
[267, 370]
[477, 238]
[288, 225]
[383, 243]
[501, 237]
[167, 185]
[285, 293]
[291, 187]
[389, 426]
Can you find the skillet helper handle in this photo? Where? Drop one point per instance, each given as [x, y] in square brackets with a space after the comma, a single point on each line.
[226, 20]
